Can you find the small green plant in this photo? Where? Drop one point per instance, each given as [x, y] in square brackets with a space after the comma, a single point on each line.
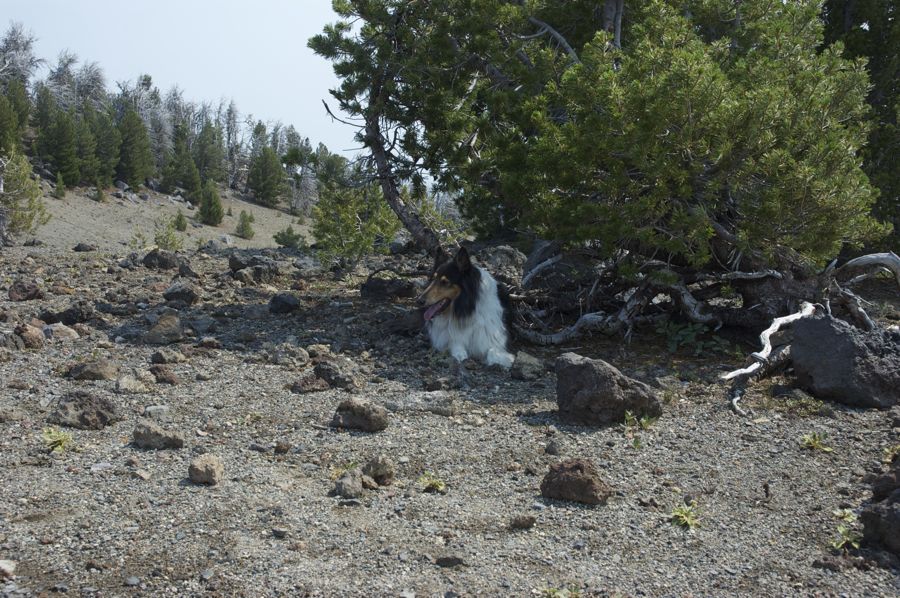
[339, 470]
[55, 440]
[636, 443]
[847, 538]
[560, 593]
[99, 196]
[288, 238]
[137, 242]
[890, 453]
[244, 229]
[180, 222]
[431, 483]
[165, 236]
[815, 442]
[686, 516]
[845, 515]
[59, 192]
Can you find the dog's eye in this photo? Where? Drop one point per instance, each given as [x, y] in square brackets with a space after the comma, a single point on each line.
[444, 282]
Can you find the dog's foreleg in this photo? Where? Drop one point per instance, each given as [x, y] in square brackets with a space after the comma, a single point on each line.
[459, 354]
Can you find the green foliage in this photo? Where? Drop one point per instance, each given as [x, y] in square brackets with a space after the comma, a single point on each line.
[59, 192]
[63, 148]
[108, 143]
[18, 100]
[99, 195]
[89, 166]
[209, 153]
[21, 197]
[847, 538]
[816, 442]
[180, 169]
[349, 222]
[244, 229]
[288, 238]
[686, 516]
[692, 335]
[9, 127]
[135, 158]
[431, 483]
[165, 236]
[890, 453]
[56, 441]
[700, 120]
[560, 593]
[266, 177]
[44, 116]
[180, 222]
[210, 211]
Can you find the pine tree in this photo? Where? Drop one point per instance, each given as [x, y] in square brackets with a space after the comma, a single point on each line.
[45, 110]
[211, 211]
[135, 158]
[244, 228]
[108, 141]
[64, 148]
[59, 192]
[180, 222]
[21, 197]
[9, 128]
[266, 177]
[86, 144]
[209, 153]
[18, 99]
[180, 169]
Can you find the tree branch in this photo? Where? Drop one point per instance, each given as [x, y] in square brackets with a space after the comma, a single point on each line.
[558, 37]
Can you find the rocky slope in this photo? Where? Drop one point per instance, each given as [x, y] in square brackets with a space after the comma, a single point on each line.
[202, 458]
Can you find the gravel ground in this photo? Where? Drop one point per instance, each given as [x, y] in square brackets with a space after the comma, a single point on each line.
[106, 518]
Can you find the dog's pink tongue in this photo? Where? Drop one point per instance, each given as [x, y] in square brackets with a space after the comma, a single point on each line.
[432, 309]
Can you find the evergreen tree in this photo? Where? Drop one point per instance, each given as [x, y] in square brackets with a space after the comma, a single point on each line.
[180, 169]
[86, 144]
[211, 211]
[135, 157]
[266, 177]
[9, 128]
[108, 141]
[59, 192]
[209, 153]
[18, 99]
[244, 228]
[45, 110]
[63, 148]
[21, 196]
[180, 222]
[348, 221]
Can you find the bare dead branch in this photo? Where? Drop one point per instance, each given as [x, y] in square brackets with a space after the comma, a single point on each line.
[595, 322]
[558, 37]
[542, 266]
[887, 260]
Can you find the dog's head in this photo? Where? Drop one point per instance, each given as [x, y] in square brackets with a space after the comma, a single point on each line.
[453, 283]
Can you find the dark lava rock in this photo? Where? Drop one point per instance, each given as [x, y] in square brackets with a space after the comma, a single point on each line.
[381, 469]
[167, 330]
[522, 522]
[505, 263]
[183, 292]
[167, 356]
[148, 435]
[881, 517]
[26, 337]
[309, 383]
[160, 259]
[592, 392]
[349, 485]
[102, 369]
[576, 480]
[164, 374]
[836, 361]
[22, 290]
[85, 411]
[84, 247]
[360, 415]
[527, 367]
[283, 303]
[77, 312]
[339, 372]
[261, 268]
[388, 288]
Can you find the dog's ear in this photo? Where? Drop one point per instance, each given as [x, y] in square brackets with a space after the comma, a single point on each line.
[440, 259]
[462, 259]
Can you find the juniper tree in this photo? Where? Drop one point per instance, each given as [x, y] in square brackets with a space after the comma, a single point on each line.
[135, 158]
[9, 128]
[210, 211]
[180, 169]
[716, 141]
[266, 177]
[63, 148]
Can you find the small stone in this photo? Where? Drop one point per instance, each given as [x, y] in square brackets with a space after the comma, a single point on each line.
[141, 474]
[132, 581]
[84, 247]
[576, 480]
[164, 375]
[449, 561]
[553, 448]
[166, 331]
[167, 356]
[160, 259]
[522, 522]
[128, 384]
[527, 367]
[309, 383]
[381, 469]
[60, 332]
[181, 291]
[31, 336]
[148, 435]
[279, 532]
[338, 372]
[102, 369]
[209, 342]
[284, 303]
[157, 412]
[349, 485]
[84, 411]
[282, 447]
[7, 569]
[207, 469]
[360, 415]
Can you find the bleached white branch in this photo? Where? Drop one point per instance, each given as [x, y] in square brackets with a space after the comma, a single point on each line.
[761, 357]
[887, 260]
[558, 37]
[543, 265]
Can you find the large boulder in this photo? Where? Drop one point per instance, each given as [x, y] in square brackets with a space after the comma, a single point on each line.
[836, 361]
[592, 392]
[575, 480]
[23, 290]
[258, 268]
[160, 259]
[355, 414]
[85, 411]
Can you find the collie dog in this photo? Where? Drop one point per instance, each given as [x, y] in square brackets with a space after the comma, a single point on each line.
[463, 312]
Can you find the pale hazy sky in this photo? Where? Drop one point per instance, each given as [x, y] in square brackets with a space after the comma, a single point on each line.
[254, 52]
